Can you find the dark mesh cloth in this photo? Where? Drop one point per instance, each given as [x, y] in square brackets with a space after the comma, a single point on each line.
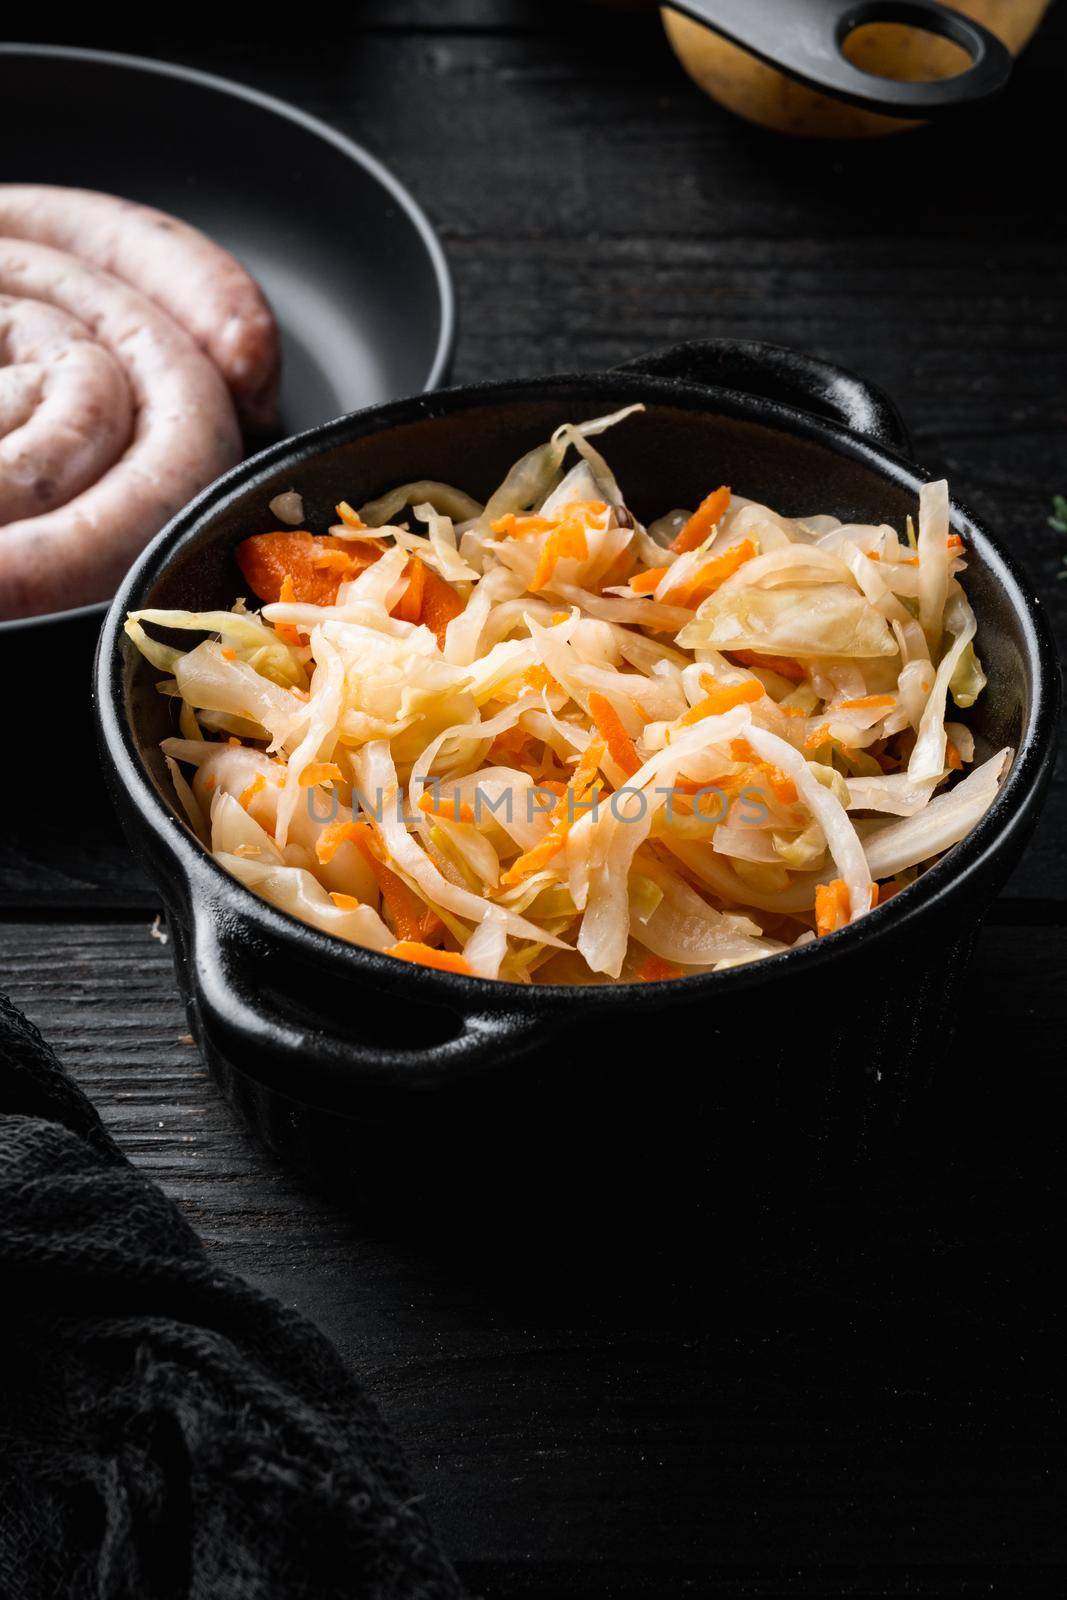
[166, 1430]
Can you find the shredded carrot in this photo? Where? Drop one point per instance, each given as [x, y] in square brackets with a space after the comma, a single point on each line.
[410, 916]
[513, 527]
[539, 678]
[708, 513]
[319, 772]
[290, 635]
[560, 616]
[781, 784]
[509, 743]
[953, 757]
[711, 576]
[609, 726]
[440, 603]
[338, 561]
[533, 860]
[350, 518]
[867, 702]
[573, 795]
[454, 810]
[229, 653]
[818, 736]
[782, 665]
[723, 697]
[566, 541]
[875, 895]
[655, 970]
[424, 956]
[585, 772]
[955, 542]
[334, 835]
[297, 567]
[831, 906]
[645, 582]
[344, 902]
[258, 784]
[409, 607]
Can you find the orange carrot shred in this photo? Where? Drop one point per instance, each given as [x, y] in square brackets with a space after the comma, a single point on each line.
[711, 576]
[566, 541]
[609, 726]
[299, 566]
[338, 561]
[867, 702]
[533, 860]
[229, 653]
[319, 772]
[411, 917]
[831, 906]
[512, 526]
[258, 784]
[440, 603]
[454, 810]
[409, 607]
[723, 697]
[539, 678]
[704, 518]
[645, 582]
[781, 784]
[953, 757]
[344, 902]
[656, 970]
[425, 956]
[560, 818]
[334, 835]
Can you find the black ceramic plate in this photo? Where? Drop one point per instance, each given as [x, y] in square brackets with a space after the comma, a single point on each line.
[352, 268]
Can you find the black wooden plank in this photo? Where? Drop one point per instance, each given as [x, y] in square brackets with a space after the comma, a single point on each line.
[868, 1401]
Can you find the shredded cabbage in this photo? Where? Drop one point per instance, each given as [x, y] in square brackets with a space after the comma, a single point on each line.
[534, 740]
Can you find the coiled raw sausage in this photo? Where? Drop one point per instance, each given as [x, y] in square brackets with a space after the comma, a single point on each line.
[185, 433]
[65, 409]
[201, 285]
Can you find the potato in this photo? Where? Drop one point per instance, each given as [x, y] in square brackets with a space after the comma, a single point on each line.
[757, 92]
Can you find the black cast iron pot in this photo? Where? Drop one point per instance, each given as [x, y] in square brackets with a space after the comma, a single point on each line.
[374, 1074]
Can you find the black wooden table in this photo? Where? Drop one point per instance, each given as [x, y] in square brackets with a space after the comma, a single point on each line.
[867, 1399]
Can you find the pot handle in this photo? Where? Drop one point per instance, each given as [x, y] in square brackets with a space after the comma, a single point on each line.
[245, 1016]
[786, 377]
[804, 39]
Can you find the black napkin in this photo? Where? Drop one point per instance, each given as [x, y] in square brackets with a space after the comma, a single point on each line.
[166, 1430]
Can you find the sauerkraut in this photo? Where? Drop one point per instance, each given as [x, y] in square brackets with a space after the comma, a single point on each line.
[535, 740]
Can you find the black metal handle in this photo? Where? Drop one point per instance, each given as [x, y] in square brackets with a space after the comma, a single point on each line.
[246, 1018]
[787, 377]
[803, 38]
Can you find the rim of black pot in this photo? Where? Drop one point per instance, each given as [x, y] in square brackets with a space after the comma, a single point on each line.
[941, 883]
[356, 152]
